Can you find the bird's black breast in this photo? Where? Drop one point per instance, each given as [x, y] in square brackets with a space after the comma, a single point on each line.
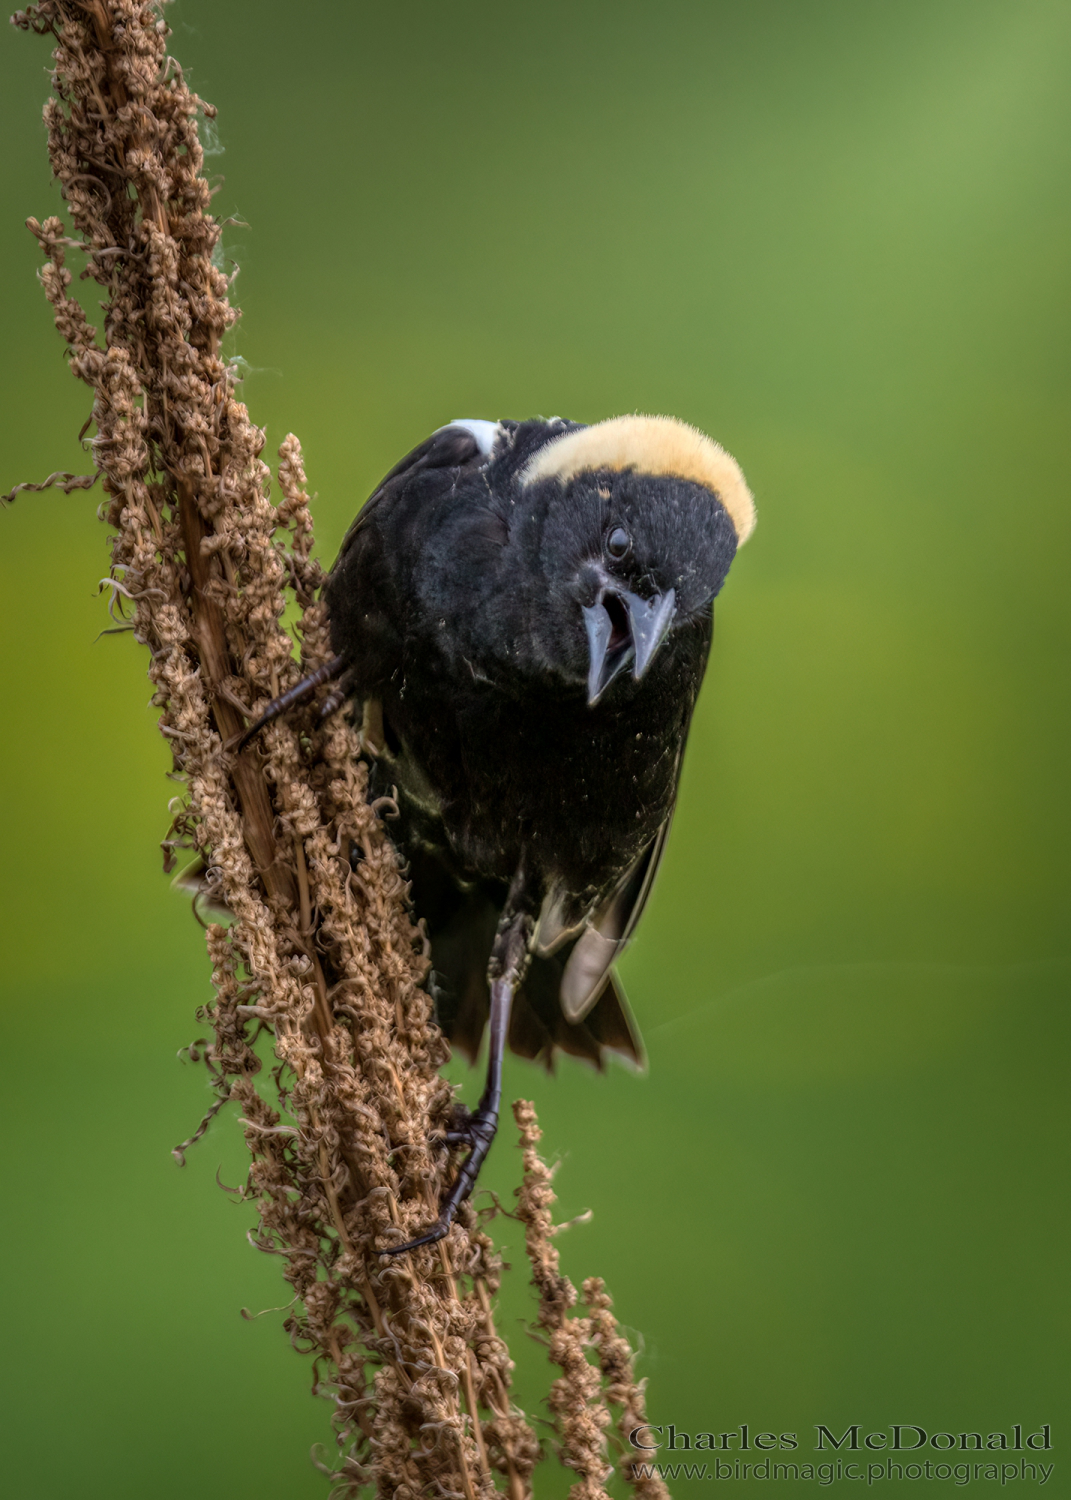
[499, 758]
[578, 791]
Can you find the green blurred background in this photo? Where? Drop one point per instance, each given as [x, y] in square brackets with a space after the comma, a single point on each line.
[835, 234]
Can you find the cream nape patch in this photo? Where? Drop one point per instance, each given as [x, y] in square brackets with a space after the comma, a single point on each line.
[650, 445]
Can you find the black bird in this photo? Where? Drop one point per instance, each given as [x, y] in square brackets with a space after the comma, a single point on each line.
[522, 614]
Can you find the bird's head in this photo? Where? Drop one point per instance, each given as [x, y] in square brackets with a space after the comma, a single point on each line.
[641, 518]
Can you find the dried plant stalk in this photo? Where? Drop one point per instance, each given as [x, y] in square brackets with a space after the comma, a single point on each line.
[321, 952]
[583, 1395]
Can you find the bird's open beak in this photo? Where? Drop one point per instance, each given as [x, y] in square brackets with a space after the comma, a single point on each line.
[624, 628]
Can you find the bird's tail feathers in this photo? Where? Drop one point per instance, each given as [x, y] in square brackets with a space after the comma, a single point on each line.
[538, 1027]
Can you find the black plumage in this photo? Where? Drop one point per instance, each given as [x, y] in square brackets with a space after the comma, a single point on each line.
[522, 614]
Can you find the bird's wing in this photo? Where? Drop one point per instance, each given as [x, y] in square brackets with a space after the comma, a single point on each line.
[604, 938]
[467, 443]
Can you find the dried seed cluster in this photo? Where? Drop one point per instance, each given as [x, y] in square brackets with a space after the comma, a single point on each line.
[321, 953]
[583, 1395]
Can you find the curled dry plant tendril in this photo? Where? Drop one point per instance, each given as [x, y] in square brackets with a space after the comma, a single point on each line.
[323, 956]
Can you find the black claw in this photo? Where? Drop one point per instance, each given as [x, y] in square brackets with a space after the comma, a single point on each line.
[478, 1133]
[437, 1232]
[332, 703]
[477, 1129]
[459, 1131]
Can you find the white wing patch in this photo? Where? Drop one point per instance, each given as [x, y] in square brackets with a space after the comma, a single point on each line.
[558, 921]
[607, 933]
[483, 431]
[586, 972]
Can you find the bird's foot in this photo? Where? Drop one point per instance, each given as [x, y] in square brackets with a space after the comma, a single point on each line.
[475, 1129]
[467, 1126]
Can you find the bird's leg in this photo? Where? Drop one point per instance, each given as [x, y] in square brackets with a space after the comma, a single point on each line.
[509, 959]
[300, 693]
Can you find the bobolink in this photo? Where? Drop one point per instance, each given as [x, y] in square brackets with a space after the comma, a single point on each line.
[522, 614]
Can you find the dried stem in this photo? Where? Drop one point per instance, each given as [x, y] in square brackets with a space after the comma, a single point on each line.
[582, 1397]
[321, 951]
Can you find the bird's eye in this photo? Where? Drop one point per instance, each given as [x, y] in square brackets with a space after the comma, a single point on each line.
[619, 543]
